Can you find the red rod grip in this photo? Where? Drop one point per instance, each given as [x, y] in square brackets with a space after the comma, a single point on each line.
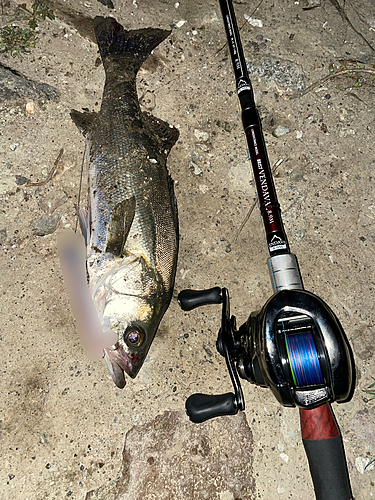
[318, 423]
[325, 452]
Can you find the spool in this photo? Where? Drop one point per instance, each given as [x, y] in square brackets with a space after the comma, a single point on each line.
[303, 359]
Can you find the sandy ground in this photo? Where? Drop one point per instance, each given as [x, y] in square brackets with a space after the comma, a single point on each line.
[63, 423]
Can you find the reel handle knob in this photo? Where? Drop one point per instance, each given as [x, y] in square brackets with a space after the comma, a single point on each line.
[201, 407]
[190, 299]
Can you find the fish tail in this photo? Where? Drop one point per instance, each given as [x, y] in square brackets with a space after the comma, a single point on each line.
[135, 46]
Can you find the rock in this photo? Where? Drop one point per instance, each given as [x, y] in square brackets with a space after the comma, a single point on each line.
[170, 457]
[3, 236]
[201, 135]
[46, 224]
[195, 169]
[107, 3]
[52, 202]
[179, 24]
[30, 108]
[225, 125]
[284, 72]
[281, 489]
[257, 23]
[20, 180]
[280, 130]
[195, 156]
[15, 86]
[310, 4]
[44, 437]
[300, 234]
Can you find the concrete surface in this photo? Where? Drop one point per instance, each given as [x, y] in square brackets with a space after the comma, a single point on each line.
[62, 421]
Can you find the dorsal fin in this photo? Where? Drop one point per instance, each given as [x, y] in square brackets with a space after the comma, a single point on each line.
[164, 134]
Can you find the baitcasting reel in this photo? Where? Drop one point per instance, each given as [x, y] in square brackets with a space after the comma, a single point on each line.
[294, 345]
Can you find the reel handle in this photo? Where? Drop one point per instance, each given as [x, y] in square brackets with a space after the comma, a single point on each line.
[325, 452]
[201, 407]
[190, 299]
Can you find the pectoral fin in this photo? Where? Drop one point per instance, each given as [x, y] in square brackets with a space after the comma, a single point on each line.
[119, 226]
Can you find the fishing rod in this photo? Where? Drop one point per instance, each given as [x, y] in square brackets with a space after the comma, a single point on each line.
[294, 345]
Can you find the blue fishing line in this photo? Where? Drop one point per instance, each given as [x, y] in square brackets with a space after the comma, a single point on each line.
[303, 359]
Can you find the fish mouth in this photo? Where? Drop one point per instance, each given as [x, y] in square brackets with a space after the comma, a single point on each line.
[116, 371]
[127, 356]
[120, 362]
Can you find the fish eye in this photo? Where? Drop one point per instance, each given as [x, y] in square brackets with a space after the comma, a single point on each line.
[134, 336]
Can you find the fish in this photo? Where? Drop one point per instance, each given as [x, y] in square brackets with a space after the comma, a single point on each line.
[130, 229]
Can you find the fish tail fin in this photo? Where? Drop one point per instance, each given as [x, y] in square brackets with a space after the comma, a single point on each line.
[135, 46]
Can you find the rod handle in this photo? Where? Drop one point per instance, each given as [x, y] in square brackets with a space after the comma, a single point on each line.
[190, 299]
[325, 452]
[201, 407]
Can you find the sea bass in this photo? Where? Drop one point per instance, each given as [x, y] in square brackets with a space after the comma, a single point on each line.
[131, 226]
